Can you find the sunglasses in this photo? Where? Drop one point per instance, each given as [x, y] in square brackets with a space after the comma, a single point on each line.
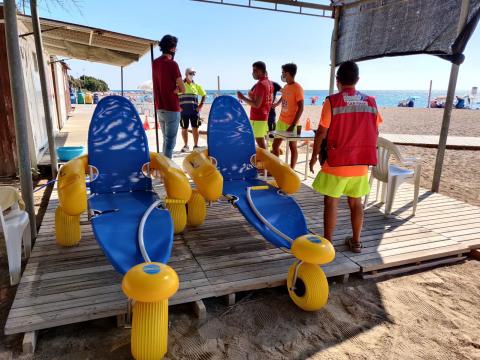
[191, 73]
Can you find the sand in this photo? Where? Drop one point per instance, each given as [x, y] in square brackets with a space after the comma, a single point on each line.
[428, 315]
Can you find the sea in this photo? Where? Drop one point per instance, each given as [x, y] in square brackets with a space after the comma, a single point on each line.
[384, 98]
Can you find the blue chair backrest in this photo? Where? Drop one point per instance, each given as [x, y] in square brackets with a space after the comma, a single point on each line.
[117, 147]
[230, 139]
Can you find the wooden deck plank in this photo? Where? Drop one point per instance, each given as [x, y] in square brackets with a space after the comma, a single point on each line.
[226, 255]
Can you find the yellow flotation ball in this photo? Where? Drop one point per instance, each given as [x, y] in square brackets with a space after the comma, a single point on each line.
[313, 249]
[67, 228]
[150, 285]
[196, 209]
[178, 212]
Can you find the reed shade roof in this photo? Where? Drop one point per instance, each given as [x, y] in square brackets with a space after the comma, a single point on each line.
[371, 29]
[88, 43]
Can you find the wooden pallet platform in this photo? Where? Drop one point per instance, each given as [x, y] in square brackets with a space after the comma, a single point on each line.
[225, 255]
[441, 214]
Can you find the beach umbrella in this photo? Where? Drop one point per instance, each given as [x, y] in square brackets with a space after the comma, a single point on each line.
[146, 85]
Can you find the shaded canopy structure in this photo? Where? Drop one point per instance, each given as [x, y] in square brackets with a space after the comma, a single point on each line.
[89, 43]
[378, 28]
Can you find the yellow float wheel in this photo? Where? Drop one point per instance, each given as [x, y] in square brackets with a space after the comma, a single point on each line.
[310, 291]
[196, 209]
[149, 330]
[178, 212]
[150, 285]
[67, 228]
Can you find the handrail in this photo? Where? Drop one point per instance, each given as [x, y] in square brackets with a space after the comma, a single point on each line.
[141, 227]
[260, 216]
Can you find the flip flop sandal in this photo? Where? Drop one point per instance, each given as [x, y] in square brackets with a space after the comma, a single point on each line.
[354, 247]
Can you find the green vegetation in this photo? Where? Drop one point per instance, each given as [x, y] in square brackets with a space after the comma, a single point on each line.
[89, 83]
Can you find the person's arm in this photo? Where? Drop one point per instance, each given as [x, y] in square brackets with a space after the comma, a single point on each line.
[275, 104]
[256, 102]
[297, 115]
[321, 134]
[200, 106]
[180, 86]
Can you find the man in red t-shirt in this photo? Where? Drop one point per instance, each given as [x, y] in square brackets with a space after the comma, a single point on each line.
[167, 83]
[260, 99]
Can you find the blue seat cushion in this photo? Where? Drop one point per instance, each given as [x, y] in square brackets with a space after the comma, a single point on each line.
[116, 228]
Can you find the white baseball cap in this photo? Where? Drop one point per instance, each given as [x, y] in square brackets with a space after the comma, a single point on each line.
[190, 70]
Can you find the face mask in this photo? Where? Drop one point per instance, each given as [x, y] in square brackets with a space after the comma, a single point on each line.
[190, 77]
[283, 78]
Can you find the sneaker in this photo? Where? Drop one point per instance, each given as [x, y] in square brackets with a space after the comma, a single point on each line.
[196, 147]
[185, 149]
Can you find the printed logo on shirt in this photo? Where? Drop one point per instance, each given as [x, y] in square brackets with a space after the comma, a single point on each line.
[354, 100]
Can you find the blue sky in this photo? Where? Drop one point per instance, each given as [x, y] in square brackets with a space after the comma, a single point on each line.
[225, 41]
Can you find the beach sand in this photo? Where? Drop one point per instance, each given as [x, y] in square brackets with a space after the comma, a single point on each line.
[427, 315]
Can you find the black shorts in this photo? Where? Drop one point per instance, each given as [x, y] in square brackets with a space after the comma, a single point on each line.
[271, 120]
[194, 120]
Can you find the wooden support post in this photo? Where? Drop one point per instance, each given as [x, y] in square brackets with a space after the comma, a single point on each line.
[452, 84]
[429, 94]
[17, 85]
[121, 79]
[121, 320]
[230, 299]
[200, 309]
[154, 110]
[333, 50]
[475, 254]
[29, 342]
[43, 84]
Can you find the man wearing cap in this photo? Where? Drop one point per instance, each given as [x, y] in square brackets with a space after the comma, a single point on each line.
[190, 108]
[167, 84]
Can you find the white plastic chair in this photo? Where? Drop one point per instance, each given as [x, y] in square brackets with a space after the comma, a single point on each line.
[15, 227]
[392, 176]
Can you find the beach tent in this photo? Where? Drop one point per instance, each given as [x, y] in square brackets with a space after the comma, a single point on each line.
[369, 29]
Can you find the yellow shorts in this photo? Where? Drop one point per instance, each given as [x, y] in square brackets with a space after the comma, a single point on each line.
[281, 126]
[336, 186]
[260, 128]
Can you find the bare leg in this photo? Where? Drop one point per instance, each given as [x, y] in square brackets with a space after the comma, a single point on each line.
[276, 146]
[261, 142]
[356, 217]
[294, 155]
[329, 216]
[185, 136]
[195, 136]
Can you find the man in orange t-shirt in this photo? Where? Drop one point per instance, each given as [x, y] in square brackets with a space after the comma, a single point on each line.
[292, 108]
[333, 182]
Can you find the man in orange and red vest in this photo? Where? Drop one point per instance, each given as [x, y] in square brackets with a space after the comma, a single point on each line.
[346, 141]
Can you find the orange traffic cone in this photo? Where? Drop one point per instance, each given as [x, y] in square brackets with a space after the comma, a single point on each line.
[308, 126]
[146, 125]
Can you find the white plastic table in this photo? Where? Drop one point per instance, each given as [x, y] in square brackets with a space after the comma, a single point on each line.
[288, 136]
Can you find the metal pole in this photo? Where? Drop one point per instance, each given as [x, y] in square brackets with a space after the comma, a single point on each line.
[452, 84]
[218, 84]
[121, 79]
[429, 94]
[154, 110]
[43, 83]
[333, 51]
[19, 109]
